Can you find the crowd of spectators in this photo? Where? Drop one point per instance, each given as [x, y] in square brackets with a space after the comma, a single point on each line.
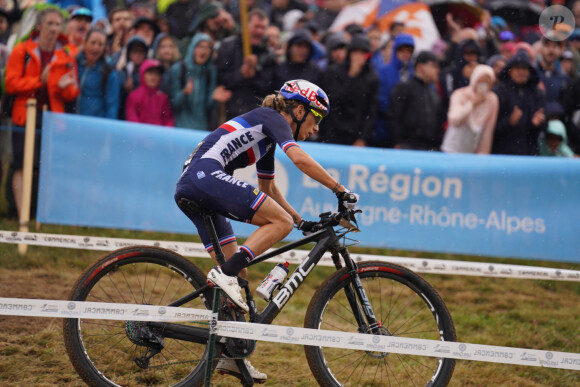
[492, 87]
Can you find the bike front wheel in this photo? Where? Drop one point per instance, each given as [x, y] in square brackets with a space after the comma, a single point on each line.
[405, 305]
[111, 352]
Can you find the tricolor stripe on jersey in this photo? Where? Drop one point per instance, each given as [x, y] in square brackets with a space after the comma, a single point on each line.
[249, 251]
[223, 241]
[258, 202]
[268, 175]
[287, 145]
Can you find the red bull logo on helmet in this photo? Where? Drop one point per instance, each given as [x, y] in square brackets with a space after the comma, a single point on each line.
[306, 92]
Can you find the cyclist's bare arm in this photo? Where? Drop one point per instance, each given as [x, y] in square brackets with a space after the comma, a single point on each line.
[269, 187]
[309, 166]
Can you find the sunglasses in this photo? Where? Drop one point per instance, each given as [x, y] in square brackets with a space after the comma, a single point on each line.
[317, 116]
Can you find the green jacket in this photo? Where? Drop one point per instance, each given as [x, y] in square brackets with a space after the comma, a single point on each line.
[191, 111]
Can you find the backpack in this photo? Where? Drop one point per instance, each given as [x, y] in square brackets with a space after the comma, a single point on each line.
[7, 100]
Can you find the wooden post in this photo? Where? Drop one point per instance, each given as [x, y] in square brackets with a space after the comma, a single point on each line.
[244, 28]
[27, 168]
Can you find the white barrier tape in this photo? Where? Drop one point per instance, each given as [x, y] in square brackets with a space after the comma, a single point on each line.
[99, 310]
[420, 265]
[402, 345]
[291, 335]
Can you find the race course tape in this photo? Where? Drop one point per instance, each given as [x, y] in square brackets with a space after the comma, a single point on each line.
[420, 265]
[292, 335]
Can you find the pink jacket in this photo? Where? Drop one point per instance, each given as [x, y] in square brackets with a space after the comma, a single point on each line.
[146, 105]
[472, 118]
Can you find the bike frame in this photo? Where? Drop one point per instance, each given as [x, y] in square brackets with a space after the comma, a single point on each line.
[325, 240]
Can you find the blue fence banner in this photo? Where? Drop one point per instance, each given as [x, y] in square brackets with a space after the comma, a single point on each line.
[114, 174]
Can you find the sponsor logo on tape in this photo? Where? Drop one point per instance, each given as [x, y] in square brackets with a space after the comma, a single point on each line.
[295, 257]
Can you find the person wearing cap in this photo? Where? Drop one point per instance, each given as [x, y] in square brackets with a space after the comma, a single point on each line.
[552, 77]
[521, 115]
[145, 28]
[336, 49]
[41, 67]
[78, 25]
[247, 77]
[567, 61]
[147, 104]
[416, 114]
[298, 64]
[96, 7]
[399, 69]
[353, 88]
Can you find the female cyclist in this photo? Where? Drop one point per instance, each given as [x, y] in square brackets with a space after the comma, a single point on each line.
[291, 115]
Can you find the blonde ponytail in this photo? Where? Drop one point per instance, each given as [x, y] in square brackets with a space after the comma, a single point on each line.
[275, 101]
[279, 103]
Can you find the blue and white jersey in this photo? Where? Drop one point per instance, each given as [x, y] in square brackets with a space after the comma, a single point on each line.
[248, 139]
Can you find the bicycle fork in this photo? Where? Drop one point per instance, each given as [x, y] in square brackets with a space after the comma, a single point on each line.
[357, 297]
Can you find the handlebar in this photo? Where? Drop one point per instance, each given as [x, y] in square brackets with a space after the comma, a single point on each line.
[343, 217]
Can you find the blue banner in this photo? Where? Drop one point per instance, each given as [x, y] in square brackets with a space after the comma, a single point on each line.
[108, 173]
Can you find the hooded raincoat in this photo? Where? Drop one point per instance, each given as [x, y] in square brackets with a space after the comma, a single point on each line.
[521, 139]
[147, 105]
[557, 128]
[389, 76]
[471, 125]
[191, 111]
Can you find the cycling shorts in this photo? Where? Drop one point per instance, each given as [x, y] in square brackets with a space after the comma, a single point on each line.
[207, 184]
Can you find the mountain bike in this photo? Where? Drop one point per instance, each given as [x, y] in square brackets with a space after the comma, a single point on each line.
[372, 297]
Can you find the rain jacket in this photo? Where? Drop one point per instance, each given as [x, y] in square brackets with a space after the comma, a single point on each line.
[121, 64]
[555, 127]
[191, 111]
[165, 81]
[471, 127]
[23, 79]
[146, 105]
[555, 83]
[98, 98]
[452, 77]
[246, 93]
[416, 115]
[353, 104]
[389, 76]
[521, 139]
[290, 70]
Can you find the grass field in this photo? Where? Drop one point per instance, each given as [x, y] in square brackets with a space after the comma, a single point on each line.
[506, 312]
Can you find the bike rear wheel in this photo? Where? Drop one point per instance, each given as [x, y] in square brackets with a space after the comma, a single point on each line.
[405, 305]
[107, 352]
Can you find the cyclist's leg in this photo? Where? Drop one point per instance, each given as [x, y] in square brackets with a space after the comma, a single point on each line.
[275, 224]
[234, 199]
